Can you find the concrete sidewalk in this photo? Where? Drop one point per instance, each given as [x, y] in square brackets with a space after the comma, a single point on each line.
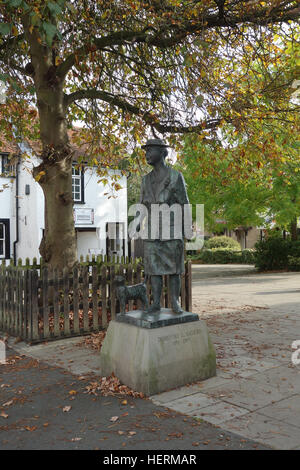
[253, 320]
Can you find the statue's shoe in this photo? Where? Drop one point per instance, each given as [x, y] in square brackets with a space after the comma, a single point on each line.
[177, 308]
[153, 309]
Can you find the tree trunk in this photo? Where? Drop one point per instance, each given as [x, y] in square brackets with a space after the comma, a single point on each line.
[54, 174]
[58, 247]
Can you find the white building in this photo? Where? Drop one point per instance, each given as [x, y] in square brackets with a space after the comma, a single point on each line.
[100, 220]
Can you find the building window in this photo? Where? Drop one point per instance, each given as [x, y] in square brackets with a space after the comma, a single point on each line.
[77, 185]
[4, 239]
[6, 168]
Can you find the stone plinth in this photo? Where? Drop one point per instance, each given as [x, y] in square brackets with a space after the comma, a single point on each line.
[165, 317]
[153, 360]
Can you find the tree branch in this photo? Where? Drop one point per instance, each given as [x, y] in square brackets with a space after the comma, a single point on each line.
[11, 42]
[148, 117]
[114, 39]
[172, 34]
[11, 63]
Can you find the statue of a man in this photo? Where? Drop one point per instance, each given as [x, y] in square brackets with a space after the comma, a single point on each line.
[163, 185]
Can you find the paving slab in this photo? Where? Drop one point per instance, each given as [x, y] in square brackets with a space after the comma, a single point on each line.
[219, 412]
[247, 393]
[245, 366]
[165, 397]
[284, 378]
[186, 391]
[287, 410]
[191, 403]
[67, 353]
[269, 431]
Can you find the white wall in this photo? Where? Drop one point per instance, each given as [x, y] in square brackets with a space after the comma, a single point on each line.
[113, 209]
[8, 207]
[31, 211]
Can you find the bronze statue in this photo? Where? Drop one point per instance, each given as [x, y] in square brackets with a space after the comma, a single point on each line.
[163, 185]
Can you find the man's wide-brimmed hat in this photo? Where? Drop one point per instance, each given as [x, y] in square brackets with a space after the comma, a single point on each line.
[155, 143]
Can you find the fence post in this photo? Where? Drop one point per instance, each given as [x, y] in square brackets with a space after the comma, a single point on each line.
[112, 293]
[75, 301]
[56, 329]
[103, 296]
[139, 280]
[21, 301]
[85, 293]
[188, 286]
[25, 302]
[45, 290]
[8, 303]
[34, 305]
[28, 304]
[66, 301]
[95, 297]
[129, 279]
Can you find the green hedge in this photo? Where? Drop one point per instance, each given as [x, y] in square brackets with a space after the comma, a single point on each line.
[293, 263]
[222, 242]
[276, 253]
[224, 256]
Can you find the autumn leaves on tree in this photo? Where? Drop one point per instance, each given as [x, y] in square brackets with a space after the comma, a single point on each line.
[125, 68]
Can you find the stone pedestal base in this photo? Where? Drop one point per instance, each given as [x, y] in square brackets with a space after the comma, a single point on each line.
[159, 359]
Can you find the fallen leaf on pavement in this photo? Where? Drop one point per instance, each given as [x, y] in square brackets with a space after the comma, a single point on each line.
[32, 428]
[111, 386]
[67, 408]
[8, 403]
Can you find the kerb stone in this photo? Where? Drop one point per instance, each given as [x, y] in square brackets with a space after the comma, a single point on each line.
[155, 360]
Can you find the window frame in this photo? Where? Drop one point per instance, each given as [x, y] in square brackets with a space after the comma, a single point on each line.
[80, 178]
[6, 225]
[9, 172]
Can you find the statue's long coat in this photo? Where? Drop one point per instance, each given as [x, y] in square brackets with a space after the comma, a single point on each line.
[163, 256]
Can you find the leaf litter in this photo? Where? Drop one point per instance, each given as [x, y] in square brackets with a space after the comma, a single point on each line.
[108, 386]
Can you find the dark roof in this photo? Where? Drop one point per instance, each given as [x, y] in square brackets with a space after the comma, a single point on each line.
[9, 145]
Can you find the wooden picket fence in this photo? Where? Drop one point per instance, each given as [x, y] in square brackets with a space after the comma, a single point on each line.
[39, 305]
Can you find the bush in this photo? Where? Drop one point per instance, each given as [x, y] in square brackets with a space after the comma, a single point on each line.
[223, 242]
[224, 256]
[248, 256]
[276, 253]
[294, 263]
